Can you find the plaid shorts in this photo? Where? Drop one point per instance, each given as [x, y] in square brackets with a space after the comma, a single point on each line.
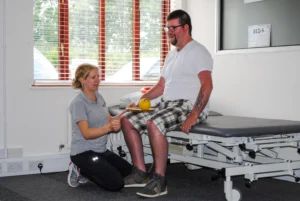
[167, 116]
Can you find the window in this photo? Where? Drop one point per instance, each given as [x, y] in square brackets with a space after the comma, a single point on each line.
[125, 38]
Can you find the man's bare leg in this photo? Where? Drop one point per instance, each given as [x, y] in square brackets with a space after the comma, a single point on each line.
[134, 143]
[159, 146]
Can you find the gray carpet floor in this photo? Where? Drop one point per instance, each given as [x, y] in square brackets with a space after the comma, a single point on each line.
[183, 184]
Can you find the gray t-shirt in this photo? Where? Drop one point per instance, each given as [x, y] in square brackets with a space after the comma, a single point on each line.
[82, 108]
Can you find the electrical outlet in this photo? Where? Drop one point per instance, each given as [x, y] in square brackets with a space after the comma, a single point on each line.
[15, 167]
[15, 152]
[33, 165]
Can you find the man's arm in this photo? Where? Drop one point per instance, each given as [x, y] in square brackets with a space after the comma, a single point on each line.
[204, 93]
[201, 101]
[156, 91]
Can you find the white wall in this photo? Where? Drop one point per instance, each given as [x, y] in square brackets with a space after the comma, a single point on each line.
[36, 116]
[258, 85]
[251, 84]
[1, 82]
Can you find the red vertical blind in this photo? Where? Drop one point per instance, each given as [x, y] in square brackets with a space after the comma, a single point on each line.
[102, 48]
[136, 40]
[165, 47]
[125, 38]
[63, 42]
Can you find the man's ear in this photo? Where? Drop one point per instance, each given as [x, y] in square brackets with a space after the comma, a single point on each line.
[186, 27]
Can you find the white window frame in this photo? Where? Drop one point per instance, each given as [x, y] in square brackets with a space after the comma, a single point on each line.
[179, 4]
[243, 51]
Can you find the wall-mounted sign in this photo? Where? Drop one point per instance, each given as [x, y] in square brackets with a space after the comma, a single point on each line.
[259, 35]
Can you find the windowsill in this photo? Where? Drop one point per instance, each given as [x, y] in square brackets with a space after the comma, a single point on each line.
[67, 84]
[259, 50]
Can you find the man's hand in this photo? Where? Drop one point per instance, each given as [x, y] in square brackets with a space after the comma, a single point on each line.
[188, 123]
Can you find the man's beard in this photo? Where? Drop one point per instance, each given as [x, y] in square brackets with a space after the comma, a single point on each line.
[174, 42]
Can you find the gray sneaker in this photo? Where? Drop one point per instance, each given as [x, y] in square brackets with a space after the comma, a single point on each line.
[82, 179]
[74, 177]
[137, 178]
[157, 186]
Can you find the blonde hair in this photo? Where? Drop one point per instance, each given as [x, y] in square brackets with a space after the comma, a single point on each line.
[83, 71]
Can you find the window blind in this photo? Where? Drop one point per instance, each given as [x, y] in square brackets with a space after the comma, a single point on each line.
[125, 38]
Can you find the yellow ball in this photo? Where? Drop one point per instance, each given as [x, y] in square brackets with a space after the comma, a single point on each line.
[144, 104]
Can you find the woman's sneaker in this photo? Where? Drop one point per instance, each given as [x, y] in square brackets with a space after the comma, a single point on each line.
[157, 186]
[82, 179]
[74, 177]
[137, 178]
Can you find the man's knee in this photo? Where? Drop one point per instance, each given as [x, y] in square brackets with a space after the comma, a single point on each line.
[126, 125]
[152, 128]
[124, 121]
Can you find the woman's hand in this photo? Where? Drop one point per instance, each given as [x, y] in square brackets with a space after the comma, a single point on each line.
[115, 124]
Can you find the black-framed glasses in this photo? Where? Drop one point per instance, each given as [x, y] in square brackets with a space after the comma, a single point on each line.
[171, 28]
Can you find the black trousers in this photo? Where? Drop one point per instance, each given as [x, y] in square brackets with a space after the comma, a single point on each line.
[105, 169]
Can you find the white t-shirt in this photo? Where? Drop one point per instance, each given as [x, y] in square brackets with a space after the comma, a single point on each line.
[181, 71]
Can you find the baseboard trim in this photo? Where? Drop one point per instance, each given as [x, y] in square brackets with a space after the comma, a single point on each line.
[51, 163]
